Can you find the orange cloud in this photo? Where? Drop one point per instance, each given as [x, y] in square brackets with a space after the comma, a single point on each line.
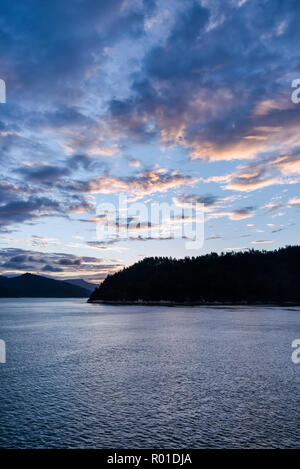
[262, 241]
[140, 185]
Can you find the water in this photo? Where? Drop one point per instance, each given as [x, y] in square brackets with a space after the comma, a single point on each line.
[80, 375]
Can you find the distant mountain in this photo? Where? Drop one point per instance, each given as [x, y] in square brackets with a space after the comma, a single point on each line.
[251, 277]
[6, 290]
[79, 282]
[37, 286]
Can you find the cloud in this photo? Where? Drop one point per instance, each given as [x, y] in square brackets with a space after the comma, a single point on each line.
[214, 206]
[212, 237]
[19, 259]
[134, 162]
[51, 268]
[20, 211]
[263, 172]
[207, 200]
[242, 213]
[215, 98]
[14, 260]
[68, 261]
[144, 183]
[294, 202]
[44, 174]
[92, 86]
[262, 241]
[59, 48]
[247, 184]
[20, 202]
[237, 214]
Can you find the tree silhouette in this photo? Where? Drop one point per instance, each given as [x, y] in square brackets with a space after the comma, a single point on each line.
[244, 277]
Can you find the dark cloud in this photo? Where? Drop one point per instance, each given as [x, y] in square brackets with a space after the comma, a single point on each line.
[51, 53]
[205, 93]
[19, 211]
[9, 190]
[51, 268]
[208, 200]
[45, 174]
[81, 161]
[149, 6]
[16, 266]
[243, 212]
[19, 259]
[14, 259]
[281, 168]
[178, 57]
[81, 91]
[19, 201]
[212, 237]
[102, 244]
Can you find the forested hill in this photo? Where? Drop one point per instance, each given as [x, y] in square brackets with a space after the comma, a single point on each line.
[37, 286]
[245, 277]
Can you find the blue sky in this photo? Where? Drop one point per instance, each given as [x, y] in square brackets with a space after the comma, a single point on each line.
[165, 101]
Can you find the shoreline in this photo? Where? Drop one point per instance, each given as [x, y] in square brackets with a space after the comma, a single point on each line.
[189, 303]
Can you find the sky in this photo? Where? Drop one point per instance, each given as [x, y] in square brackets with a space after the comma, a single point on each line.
[163, 101]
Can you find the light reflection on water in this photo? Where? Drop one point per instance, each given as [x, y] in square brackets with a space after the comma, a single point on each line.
[83, 375]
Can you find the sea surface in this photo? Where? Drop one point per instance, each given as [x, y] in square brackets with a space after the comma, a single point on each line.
[83, 375]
